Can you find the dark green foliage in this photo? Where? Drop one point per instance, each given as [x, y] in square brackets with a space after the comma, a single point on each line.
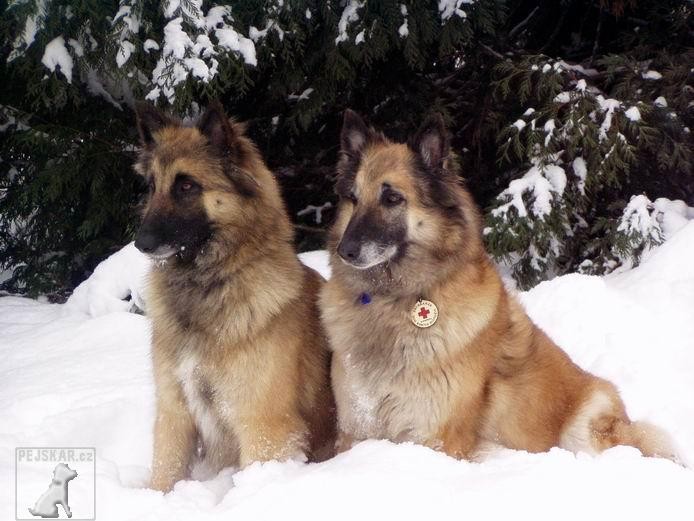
[68, 196]
[613, 120]
[68, 200]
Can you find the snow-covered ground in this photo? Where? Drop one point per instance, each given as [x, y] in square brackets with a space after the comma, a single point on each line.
[79, 374]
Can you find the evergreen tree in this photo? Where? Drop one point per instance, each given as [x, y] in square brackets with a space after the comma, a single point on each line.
[560, 113]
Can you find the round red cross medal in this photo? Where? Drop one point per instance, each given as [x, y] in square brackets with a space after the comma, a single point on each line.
[424, 313]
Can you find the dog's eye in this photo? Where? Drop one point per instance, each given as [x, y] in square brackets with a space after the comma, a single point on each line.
[390, 198]
[185, 185]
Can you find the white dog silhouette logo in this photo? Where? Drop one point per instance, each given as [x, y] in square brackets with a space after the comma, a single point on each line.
[47, 504]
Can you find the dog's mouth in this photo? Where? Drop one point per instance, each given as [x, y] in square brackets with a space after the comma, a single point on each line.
[163, 253]
[371, 256]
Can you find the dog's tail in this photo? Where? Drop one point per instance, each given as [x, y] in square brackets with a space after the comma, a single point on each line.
[651, 440]
[601, 422]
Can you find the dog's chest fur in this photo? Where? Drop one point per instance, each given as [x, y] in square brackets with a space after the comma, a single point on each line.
[213, 357]
[201, 397]
[394, 378]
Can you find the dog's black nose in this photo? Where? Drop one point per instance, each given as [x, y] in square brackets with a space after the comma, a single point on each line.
[146, 241]
[348, 249]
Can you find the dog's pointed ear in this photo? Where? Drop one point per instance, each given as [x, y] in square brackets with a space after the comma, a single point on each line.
[432, 141]
[355, 133]
[227, 138]
[149, 120]
[215, 125]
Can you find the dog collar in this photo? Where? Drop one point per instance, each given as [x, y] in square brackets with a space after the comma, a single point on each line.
[424, 313]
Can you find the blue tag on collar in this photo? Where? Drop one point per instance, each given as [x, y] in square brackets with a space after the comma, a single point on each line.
[365, 298]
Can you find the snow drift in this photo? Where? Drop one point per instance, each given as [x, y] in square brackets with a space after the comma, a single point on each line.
[79, 374]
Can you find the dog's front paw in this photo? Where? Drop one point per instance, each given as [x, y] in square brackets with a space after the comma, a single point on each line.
[161, 483]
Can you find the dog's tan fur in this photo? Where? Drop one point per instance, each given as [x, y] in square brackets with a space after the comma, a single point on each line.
[484, 372]
[240, 360]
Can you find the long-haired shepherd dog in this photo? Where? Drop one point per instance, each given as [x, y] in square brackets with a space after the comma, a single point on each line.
[428, 346]
[241, 363]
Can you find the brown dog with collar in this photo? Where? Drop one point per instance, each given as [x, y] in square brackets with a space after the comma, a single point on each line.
[428, 346]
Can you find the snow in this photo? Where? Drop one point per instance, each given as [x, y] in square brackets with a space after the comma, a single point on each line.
[549, 129]
[403, 30]
[198, 68]
[57, 55]
[256, 34]
[95, 87]
[120, 276]
[350, 15]
[316, 210]
[150, 45]
[182, 56]
[128, 17]
[171, 8]
[203, 47]
[448, 8]
[633, 114]
[655, 221]
[562, 97]
[651, 75]
[589, 72]
[543, 183]
[672, 216]
[519, 124]
[215, 16]
[234, 41]
[190, 9]
[318, 260]
[176, 40]
[608, 106]
[31, 27]
[79, 374]
[566, 96]
[306, 94]
[124, 53]
[581, 171]
[557, 178]
[76, 47]
[637, 217]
